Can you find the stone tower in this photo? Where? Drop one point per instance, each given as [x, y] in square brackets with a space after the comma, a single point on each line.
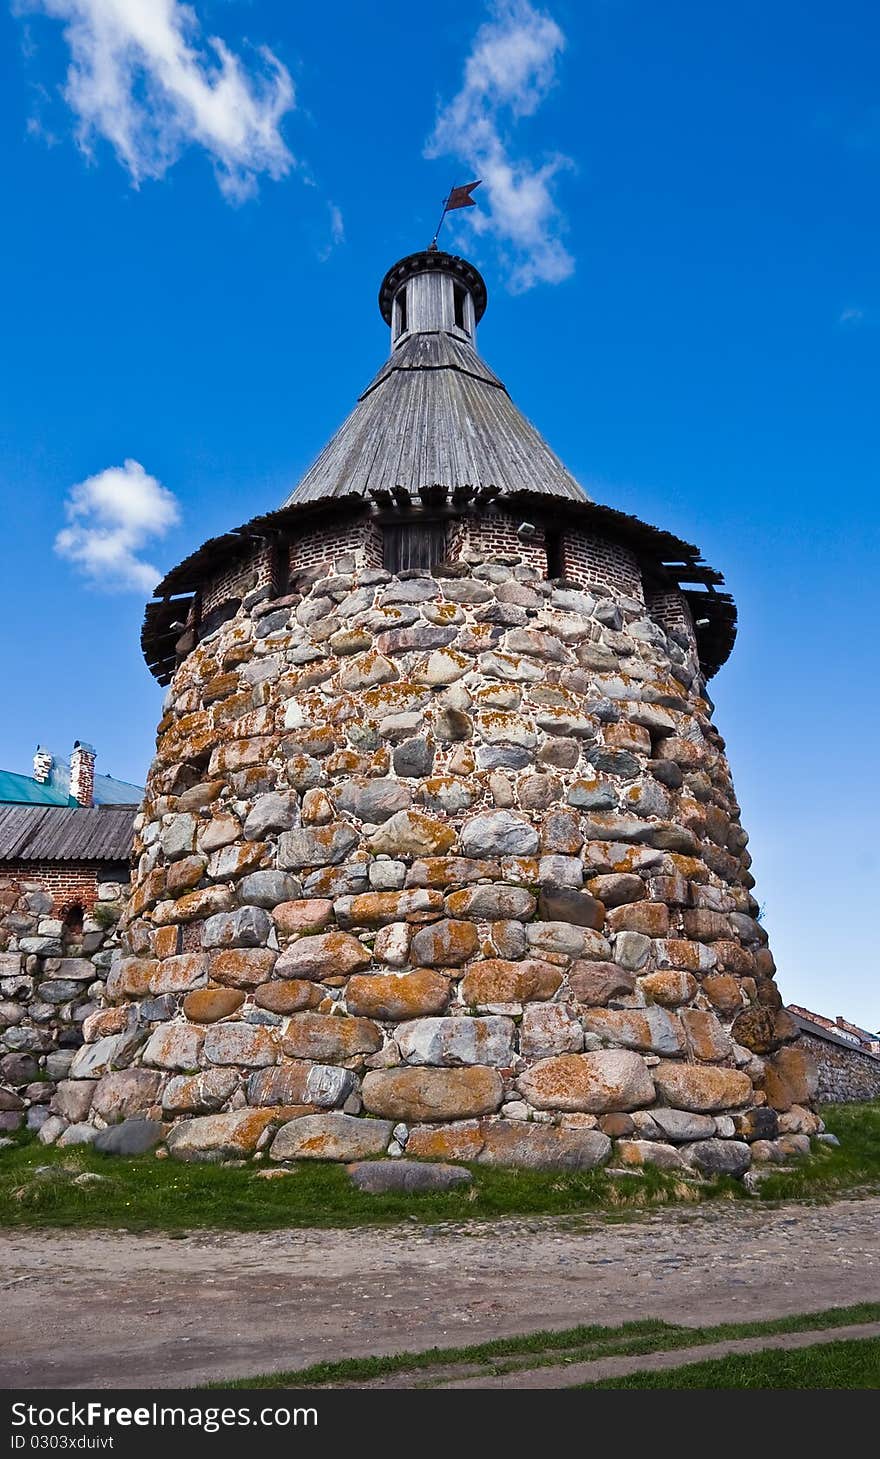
[439, 854]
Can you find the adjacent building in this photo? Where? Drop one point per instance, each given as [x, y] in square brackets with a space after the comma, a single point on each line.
[847, 1057]
[65, 848]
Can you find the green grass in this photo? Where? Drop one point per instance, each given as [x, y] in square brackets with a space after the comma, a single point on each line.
[551, 1349]
[164, 1195]
[151, 1195]
[853, 1364]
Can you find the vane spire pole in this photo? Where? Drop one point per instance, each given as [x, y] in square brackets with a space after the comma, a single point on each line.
[459, 197]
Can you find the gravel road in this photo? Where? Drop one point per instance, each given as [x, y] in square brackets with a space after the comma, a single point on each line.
[111, 1309]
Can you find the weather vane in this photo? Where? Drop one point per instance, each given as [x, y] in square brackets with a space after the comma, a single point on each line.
[459, 197]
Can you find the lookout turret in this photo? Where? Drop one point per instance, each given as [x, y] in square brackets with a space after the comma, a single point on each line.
[431, 291]
[439, 829]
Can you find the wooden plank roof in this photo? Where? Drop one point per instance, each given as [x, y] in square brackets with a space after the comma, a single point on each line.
[436, 413]
[66, 833]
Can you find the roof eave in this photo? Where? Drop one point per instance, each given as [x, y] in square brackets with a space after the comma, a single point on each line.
[677, 561]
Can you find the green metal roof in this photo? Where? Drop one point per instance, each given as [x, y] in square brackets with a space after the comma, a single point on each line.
[24, 790]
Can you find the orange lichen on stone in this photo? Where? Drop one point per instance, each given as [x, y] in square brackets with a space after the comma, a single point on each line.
[329, 1040]
[724, 993]
[462, 1141]
[166, 940]
[610, 1079]
[669, 987]
[187, 908]
[132, 977]
[207, 1005]
[398, 996]
[243, 967]
[702, 1087]
[494, 980]
[707, 1040]
[375, 909]
[650, 918]
[445, 943]
[432, 1094]
[288, 995]
[308, 915]
[323, 955]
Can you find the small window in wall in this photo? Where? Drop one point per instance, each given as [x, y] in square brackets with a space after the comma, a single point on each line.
[409, 545]
[72, 925]
[401, 313]
[555, 556]
[459, 295]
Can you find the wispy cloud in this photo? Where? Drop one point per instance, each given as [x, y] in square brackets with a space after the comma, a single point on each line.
[509, 71]
[144, 77]
[112, 516]
[851, 316]
[337, 232]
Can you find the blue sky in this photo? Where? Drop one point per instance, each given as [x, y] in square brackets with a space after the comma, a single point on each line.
[679, 234]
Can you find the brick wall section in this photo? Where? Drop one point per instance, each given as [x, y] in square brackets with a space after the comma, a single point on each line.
[323, 545]
[587, 559]
[670, 609]
[493, 534]
[254, 571]
[592, 561]
[67, 882]
[845, 1075]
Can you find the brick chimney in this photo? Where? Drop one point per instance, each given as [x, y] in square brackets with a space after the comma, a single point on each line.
[43, 762]
[82, 773]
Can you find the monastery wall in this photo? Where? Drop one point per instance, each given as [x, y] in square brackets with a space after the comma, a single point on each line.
[58, 924]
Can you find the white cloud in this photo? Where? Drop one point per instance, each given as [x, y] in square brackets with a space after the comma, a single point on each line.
[337, 232]
[508, 73]
[144, 77]
[851, 316]
[337, 226]
[111, 517]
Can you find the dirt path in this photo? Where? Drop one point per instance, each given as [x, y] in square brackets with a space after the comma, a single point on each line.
[108, 1309]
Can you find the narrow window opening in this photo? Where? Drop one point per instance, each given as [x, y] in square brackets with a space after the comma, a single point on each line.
[72, 925]
[555, 555]
[459, 294]
[401, 313]
[408, 545]
[279, 570]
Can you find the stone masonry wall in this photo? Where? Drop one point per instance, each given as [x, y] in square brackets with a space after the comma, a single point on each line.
[845, 1075]
[52, 977]
[447, 866]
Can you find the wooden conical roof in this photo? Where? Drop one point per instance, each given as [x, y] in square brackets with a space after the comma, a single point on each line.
[435, 414]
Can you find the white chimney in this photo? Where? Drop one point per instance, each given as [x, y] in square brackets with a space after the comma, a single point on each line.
[42, 765]
[82, 773]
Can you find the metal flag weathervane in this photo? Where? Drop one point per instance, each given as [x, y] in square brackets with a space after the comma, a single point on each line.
[459, 197]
